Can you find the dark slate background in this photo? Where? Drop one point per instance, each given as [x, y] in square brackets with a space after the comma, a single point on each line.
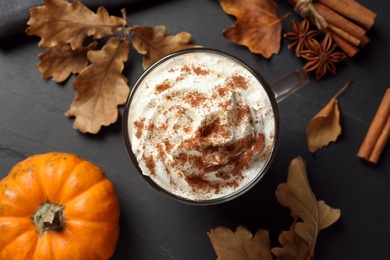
[156, 227]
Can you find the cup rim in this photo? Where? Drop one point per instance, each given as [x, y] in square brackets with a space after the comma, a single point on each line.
[242, 189]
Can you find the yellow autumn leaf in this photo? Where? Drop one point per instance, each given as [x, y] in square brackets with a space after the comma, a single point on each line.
[59, 21]
[293, 247]
[240, 245]
[154, 44]
[298, 196]
[258, 26]
[101, 87]
[60, 61]
[325, 127]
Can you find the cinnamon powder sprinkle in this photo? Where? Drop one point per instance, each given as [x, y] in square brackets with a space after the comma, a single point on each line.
[199, 71]
[242, 113]
[139, 125]
[195, 98]
[239, 81]
[150, 163]
[222, 91]
[185, 69]
[163, 86]
[199, 156]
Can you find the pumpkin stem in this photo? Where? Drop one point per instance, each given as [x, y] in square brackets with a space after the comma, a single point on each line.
[49, 216]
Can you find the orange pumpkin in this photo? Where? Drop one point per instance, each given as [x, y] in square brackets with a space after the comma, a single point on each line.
[57, 206]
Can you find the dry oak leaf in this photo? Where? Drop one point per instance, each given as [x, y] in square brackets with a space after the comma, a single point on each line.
[240, 245]
[101, 87]
[58, 21]
[153, 44]
[60, 61]
[298, 196]
[325, 127]
[258, 25]
[293, 247]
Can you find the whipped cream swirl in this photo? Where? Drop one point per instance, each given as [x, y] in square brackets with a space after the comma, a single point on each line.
[201, 126]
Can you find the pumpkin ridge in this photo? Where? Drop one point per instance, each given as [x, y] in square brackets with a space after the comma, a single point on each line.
[71, 202]
[75, 224]
[3, 222]
[33, 167]
[65, 174]
[19, 189]
[80, 193]
[87, 245]
[30, 242]
[16, 186]
[61, 188]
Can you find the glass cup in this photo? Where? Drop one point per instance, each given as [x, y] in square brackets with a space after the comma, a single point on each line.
[202, 127]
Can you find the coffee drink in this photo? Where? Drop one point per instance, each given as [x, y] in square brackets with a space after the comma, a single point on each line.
[201, 125]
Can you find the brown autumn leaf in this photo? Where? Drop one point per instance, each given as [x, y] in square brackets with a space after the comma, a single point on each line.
[298, 196]
[325, 127]
[60, 61]
[101, 87]
[293, 247]
[258, 25]
[58, 21]
[153, 44]
[240, 245]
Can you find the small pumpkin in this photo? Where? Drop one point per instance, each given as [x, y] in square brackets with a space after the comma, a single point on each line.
[57, 206]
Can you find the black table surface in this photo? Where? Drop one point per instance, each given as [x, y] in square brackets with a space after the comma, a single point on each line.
[156, 227]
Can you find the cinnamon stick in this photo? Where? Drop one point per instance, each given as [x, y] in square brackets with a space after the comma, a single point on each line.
[336, 19]
[381, 143]
[352, 10]
[364, 41]
[349, 44]
[378, 132]
[346, 36]
[339, 21]
[347, 47]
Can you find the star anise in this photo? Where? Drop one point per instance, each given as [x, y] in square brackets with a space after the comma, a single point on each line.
[301, 35]
[321, 57]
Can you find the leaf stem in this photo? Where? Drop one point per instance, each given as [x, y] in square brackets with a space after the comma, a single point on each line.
[344, 88]
[127, 29]
[123, 12]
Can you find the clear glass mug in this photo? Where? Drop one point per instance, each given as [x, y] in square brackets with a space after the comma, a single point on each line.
[202, 126]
